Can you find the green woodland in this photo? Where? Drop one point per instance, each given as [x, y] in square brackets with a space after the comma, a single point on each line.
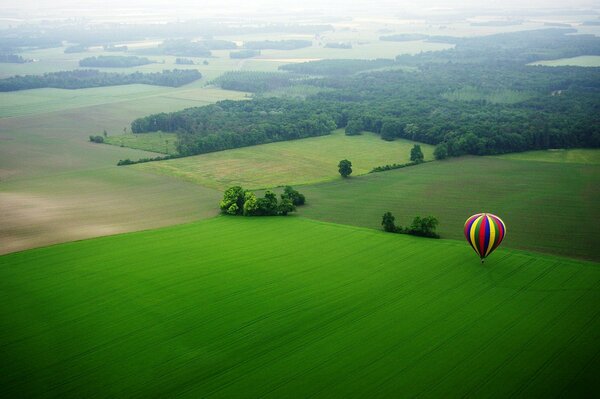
[487, 107]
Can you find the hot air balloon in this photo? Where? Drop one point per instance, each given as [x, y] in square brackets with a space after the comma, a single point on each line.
[484, 232]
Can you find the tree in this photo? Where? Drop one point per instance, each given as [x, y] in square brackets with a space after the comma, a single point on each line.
[424, 227]
[267, 206]
[354, 127]
[345, 168]
[250, 204]
[441, 151]
[105, 133]
[293, 195]
[233, 201]
[411, 130]
[388, 222]
[416, 155]
[285, 206]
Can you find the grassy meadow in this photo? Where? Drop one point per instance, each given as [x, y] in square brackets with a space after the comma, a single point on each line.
[547, 206]
[581, 61]
[586, 156]
[291, 162]
[159, 142]
[204, 310]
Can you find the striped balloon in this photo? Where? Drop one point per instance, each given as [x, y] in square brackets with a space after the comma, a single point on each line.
[484, 232]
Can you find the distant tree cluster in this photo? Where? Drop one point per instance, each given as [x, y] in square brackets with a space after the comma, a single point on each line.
[421, 226]
[97, 139]
[404, 37]
[291, 44]
[232, 124]
[237, 201]
[253, 81]
[184, 61]
[245, 53]
[336, 67]
[114, 61]
[77, 48]
[13, 59]
[113, 48]
[83, 78]
[189, 48]
[339, 45]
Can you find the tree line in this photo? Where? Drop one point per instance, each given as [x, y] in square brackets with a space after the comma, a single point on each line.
[232, 124]
[114, 61]
[84, 78]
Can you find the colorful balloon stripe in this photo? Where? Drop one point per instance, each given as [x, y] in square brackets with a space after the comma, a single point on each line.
[484, 232]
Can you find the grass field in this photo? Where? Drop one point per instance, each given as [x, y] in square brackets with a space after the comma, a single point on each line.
[291, 162]
[547, 207]
[155, 142]
[56, 186]
[582, 61]
[287, 307]
[579, 155]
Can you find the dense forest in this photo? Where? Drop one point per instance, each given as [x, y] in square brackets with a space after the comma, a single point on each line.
[278, 44]
[13, 59]
[231, 124]
[114, 61]
[245, 53]
[487, 107]
[84, 78]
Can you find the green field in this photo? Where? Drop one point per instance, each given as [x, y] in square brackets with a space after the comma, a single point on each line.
[497, 96]
[579, 155]
[582, 61]
[56, 186]
[155, 142]
[547, 207]
[290, 162]
[287, 307]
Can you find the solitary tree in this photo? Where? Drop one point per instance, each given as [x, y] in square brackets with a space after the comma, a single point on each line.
[345, 168]
[388, 222]
[441, 151]
[416, 155]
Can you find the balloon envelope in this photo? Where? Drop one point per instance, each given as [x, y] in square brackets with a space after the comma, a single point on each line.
[484, 232]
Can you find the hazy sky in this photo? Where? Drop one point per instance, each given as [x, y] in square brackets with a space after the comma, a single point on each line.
[188, 9]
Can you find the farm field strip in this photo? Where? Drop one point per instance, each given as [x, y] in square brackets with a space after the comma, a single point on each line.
[277, 164]
[344, 311]
[455, 189]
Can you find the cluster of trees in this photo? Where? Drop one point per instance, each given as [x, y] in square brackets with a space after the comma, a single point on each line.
[184, 61]
[404, 37]
[336, 67]
[421, 226]
[113, 48]
[416, 158]
[97, 139]
[232, 124]
[127, 161]
[77, 48]
[114, 61]
[340, 45]
[237, 201]
[52, 34]
[291, 44]
[246, 53]
[13, 59]
[83, 78]
[253, 81]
